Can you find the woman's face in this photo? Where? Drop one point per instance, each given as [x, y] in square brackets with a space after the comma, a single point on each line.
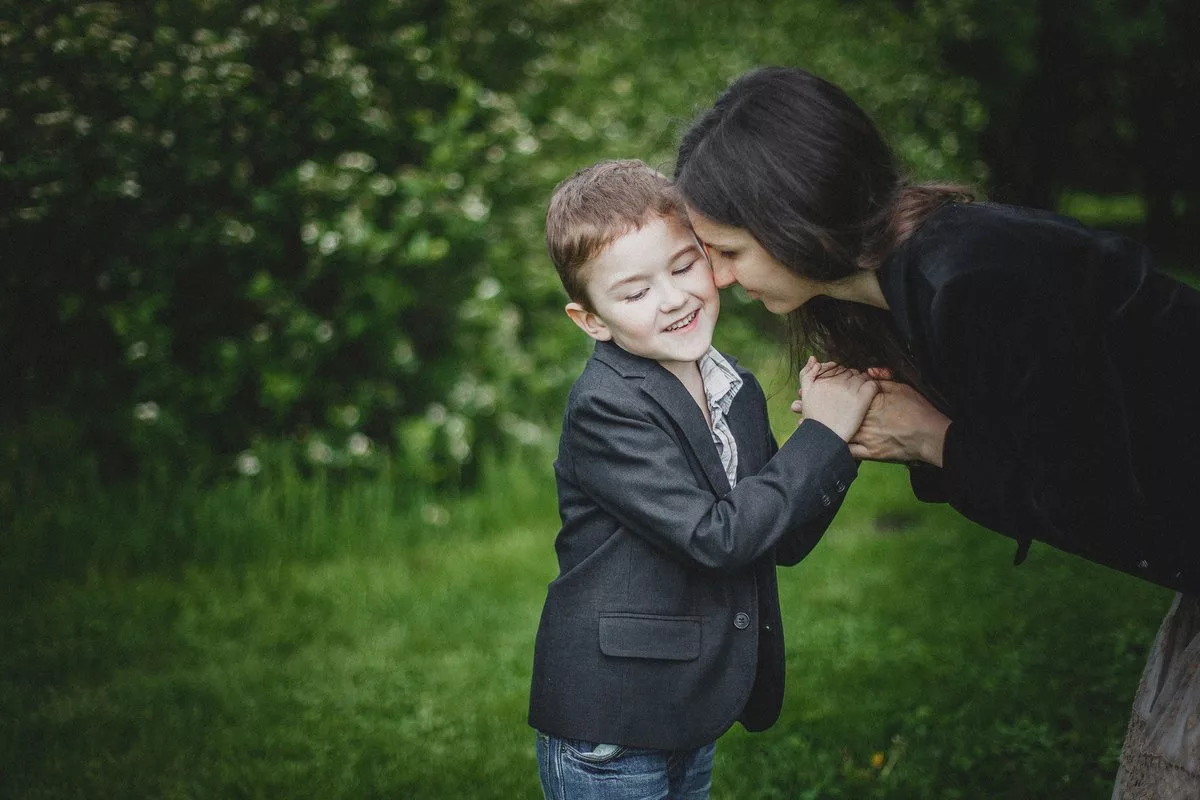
[737, 257]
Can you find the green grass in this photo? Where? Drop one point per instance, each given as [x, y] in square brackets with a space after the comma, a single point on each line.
[404, 672]
[376, 646]
[1100, 210]
[971, 677]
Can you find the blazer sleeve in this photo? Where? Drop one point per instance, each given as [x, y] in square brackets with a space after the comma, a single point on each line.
[1037, 448]
[798, 542]
[637, 472]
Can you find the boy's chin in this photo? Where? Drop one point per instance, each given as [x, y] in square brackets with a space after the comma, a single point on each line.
[696, 352]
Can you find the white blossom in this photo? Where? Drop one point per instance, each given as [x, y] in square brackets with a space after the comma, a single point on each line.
[358, 444]
[146, 412]
[248, 464]
[320, 452]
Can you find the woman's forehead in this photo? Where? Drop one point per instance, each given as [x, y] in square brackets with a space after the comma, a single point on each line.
[711, 231]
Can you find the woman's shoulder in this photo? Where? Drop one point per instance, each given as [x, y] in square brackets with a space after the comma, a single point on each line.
[973, 239]
[965, 224]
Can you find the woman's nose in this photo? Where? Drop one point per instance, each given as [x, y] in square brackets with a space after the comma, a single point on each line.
[723, 276]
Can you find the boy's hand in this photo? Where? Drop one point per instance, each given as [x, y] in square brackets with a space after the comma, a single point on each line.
[837, 397]
[876, 373]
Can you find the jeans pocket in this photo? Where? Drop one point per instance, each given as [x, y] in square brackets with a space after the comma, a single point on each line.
[592, 752]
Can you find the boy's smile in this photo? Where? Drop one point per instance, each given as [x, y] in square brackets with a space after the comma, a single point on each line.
[685, 322]
[652, 293]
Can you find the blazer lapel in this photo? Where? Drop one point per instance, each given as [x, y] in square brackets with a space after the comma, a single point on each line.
[666, 390]
[747, 430]
[669, 393]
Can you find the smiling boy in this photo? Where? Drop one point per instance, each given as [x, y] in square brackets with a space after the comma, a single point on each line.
[662, 628]
[651, 293]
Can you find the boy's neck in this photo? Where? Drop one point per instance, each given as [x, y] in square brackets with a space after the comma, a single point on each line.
[688, 373]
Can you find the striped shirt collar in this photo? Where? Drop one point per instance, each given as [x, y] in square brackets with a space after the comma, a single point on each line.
[721, 382]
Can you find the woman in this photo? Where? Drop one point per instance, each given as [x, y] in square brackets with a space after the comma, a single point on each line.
[1056, 360]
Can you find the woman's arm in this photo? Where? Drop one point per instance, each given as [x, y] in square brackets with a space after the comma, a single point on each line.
[1038, 446]
[901, 425]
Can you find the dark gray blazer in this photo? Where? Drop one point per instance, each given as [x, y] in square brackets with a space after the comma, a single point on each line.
[662, 627]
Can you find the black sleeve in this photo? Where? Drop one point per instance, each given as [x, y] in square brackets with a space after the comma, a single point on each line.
[1038, 446]
[926, 481]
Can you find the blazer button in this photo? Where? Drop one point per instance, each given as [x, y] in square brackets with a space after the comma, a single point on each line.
[741, 620]
[825, 501]
[841, 486]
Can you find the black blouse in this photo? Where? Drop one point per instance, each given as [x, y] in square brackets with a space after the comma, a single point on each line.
[1067, 363]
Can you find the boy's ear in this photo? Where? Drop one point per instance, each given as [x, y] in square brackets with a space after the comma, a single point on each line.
[588, 322]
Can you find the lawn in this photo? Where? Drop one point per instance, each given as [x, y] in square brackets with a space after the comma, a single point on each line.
[922, 664]
[292, 638]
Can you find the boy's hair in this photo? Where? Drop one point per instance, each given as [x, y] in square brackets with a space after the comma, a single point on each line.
[599, 204]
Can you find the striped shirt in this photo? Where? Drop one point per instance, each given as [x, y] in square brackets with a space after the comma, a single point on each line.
[721, 384]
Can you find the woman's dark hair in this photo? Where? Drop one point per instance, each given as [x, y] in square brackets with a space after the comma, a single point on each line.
[792, 159]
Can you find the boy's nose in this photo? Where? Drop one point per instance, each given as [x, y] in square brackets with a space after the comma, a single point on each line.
[672, 296]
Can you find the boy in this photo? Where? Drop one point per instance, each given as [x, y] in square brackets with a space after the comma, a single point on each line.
[663, 627]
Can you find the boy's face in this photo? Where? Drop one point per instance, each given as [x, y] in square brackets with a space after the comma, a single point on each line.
[652, 293]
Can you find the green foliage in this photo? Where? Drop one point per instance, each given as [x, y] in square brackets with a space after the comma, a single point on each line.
[641, 70]
[231, 223]
[227, 226]
[1093, 97]
[321, 223]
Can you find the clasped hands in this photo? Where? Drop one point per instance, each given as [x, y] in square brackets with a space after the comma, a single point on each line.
[881, 419]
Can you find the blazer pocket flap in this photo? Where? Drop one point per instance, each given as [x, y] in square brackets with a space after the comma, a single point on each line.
[650, 636]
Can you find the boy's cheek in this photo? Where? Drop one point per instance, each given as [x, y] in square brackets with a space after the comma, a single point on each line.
[704, 285]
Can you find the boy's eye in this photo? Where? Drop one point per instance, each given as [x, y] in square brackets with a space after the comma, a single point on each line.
[683, 269]
[636, 296]
[727, 253]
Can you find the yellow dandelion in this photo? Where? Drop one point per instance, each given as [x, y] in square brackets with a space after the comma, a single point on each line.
[878, 760]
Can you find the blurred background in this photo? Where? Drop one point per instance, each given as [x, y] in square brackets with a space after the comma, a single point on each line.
[283, 361]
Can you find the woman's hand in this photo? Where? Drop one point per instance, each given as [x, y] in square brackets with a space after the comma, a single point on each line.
[901, 425]
[837, 397]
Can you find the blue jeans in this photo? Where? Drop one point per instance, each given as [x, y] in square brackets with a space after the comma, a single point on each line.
[572, 769]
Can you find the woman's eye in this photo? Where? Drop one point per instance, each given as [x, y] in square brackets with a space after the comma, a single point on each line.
[730, 254]
[636, 296]
[683, 269]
